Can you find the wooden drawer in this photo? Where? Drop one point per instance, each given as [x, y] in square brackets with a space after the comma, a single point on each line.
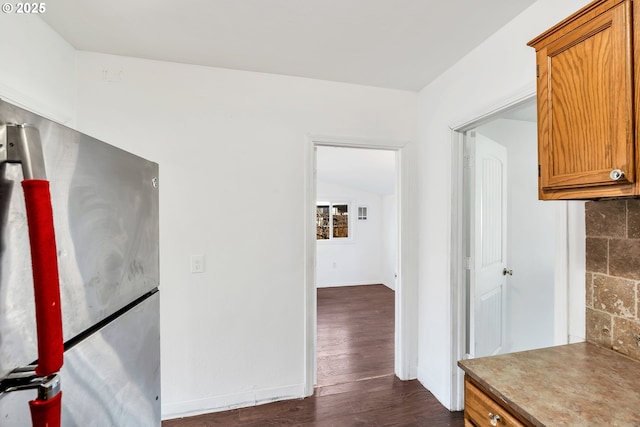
[481, 410]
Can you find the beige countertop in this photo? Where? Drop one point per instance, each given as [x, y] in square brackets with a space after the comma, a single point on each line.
[570, 385]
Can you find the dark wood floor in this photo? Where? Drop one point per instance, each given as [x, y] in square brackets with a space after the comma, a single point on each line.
[355, 333]
[356, 385]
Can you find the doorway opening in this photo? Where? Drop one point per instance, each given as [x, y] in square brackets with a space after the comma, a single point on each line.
[509, 251]
[405, 298]
[528, 256]
[356, 263]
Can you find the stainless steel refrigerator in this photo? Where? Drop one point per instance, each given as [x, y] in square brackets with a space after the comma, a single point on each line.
[104, 203]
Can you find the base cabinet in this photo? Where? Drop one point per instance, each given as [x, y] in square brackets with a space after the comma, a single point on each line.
[481, 409]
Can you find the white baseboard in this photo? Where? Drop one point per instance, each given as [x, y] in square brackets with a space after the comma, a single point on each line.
[230, 401]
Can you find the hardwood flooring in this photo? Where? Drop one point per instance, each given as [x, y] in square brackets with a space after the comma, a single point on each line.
[356, 385]
[355, 338]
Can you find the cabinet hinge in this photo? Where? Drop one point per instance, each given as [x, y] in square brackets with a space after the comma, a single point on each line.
[538, 70]
[539, 173]
[467, 263]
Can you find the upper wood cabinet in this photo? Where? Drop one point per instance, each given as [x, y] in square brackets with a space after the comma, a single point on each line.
[585, 90]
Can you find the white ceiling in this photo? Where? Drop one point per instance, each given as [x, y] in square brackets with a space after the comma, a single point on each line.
[402, 44]
[373, 171]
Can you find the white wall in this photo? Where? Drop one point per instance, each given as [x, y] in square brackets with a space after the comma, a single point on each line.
[231, 149]
[358, 259]
[500, 70]
[38, 68]
[531, 234]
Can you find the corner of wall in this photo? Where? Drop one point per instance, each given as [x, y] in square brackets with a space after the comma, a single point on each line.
[41, 75]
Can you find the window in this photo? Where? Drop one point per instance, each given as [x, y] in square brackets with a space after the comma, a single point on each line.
[332, 221]
[323, 227]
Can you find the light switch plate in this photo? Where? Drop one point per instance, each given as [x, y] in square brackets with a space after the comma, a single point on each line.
[197, 263]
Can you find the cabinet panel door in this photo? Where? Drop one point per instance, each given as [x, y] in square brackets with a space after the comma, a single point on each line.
[585, 104]
[483, 411]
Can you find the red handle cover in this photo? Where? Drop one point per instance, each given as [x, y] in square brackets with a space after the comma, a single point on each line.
[46, 284]
[46, 413]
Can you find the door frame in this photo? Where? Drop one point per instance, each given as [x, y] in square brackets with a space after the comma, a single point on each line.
[406, 293]
[458, 271]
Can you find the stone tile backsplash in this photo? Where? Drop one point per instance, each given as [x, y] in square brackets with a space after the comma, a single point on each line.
[613, 275]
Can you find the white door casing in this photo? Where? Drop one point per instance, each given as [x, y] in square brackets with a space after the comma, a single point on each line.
[488, 247]
[569, 269]
[406, 304]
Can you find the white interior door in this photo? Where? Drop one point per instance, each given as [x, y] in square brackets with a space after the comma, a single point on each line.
[488, 247]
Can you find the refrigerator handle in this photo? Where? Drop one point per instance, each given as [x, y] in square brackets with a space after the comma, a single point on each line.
[23, 146]
[46, 413]
[46, 410]
[46, 287]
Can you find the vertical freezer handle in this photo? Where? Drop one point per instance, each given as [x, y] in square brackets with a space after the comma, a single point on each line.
[44, 262]
[46, 413]
[23, 146]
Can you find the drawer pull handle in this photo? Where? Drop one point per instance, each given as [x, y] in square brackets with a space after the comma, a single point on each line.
[495, 419]
[616, 174]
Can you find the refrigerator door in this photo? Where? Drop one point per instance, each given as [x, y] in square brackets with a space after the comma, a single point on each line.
[109, 379]
[105, 208]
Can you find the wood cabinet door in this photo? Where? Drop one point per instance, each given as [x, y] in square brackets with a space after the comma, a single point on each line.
[585, 104]
[482, 411]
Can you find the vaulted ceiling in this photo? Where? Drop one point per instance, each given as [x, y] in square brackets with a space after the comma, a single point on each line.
[401, 44]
